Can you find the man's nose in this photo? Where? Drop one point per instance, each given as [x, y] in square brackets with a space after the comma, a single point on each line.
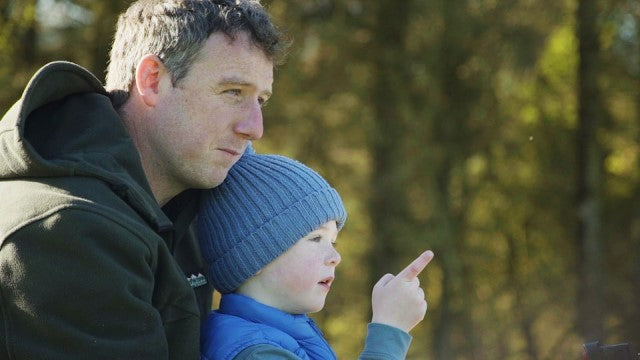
[252, 126]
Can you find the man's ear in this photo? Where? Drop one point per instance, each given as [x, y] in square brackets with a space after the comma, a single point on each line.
[149, 72]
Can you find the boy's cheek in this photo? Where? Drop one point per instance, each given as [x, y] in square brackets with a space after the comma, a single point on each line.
[301, 276]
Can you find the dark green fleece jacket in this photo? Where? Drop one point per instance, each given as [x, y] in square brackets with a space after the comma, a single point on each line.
[90, 265]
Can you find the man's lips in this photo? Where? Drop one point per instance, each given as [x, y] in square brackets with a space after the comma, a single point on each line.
[230, 151]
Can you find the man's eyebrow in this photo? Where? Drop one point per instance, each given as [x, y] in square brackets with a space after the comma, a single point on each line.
[235, 80]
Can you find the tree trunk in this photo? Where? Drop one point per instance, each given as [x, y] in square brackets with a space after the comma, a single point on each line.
[29, 36]
[452, 320]
[519, 290]
[589, 178]
[387, 199]
[105, 15]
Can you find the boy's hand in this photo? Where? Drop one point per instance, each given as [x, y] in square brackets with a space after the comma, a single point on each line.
[398, 300]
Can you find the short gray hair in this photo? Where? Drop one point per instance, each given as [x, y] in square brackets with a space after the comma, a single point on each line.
[176, 30]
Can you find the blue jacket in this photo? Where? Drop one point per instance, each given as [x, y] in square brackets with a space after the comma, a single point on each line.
[242, 322]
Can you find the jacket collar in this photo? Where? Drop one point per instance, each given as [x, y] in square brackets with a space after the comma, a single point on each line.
[299, 326]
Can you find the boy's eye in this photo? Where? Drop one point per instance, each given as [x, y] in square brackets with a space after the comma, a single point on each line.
[316, 238]
[234, 92]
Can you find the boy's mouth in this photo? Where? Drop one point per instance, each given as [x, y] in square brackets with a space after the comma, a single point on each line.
[326, 282]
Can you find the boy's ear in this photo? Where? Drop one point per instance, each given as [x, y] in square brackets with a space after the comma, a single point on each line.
[149, 72]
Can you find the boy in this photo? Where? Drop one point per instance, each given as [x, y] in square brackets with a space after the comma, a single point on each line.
[267, 234]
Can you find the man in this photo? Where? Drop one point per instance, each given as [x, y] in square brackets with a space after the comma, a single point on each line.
[91, 266]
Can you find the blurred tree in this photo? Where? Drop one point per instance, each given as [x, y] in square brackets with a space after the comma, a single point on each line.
[589, 176]
[18, 51]
[99, 35]
[387, 197]
[619, 82]
[449, 148]
[445, 125]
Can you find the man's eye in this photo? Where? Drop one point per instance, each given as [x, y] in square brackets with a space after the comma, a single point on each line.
[316, 238]
[235, 92]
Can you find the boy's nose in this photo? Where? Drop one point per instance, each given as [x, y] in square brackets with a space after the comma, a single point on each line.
[334, 257]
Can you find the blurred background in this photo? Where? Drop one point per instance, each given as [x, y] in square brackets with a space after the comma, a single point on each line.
[503, 135]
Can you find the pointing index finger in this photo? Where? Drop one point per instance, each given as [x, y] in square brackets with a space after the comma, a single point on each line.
[415, 268]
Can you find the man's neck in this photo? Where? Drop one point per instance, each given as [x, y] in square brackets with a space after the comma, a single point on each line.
[161, 188]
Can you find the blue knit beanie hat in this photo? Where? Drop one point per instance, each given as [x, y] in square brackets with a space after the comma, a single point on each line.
[264, 206]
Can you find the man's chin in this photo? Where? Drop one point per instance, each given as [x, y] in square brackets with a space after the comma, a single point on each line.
[215, 179]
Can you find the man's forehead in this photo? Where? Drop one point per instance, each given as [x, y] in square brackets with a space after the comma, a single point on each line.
[222, 62]
[240, 41]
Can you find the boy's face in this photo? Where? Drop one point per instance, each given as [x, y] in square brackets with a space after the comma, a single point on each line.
[299, 280]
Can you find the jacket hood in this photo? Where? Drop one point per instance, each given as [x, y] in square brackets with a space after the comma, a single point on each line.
[65, 125]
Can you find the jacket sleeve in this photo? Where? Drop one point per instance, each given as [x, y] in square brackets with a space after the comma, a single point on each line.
[265, 352]
[75, 283]
[385, 342]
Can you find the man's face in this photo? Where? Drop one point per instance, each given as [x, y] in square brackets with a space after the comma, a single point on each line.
[203, 124]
